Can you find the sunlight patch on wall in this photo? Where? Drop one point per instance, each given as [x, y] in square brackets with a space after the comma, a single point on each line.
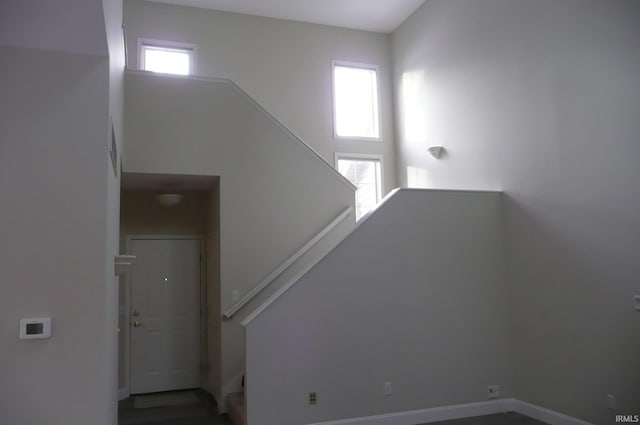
[415, 109]
[417, 178]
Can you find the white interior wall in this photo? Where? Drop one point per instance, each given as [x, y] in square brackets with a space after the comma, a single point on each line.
[53, 173]
[285, 66]
[274, 193]
[74, 26]
[415, 296]
[112, 11]
[563, 183]
[540, 98]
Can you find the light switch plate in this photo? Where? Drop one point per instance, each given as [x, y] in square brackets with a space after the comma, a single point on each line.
[636, 302]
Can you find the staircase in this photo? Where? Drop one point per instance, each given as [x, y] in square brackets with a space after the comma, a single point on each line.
[414, 295]
[277, 195]
[237, 408]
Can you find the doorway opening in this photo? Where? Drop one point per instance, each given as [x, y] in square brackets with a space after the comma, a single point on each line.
[169, 302]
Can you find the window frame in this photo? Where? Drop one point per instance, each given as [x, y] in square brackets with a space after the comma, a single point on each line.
[378, 115]
[190, 48]
[364, 157]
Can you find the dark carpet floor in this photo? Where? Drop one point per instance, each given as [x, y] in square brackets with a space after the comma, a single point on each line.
[509, 418]
[204, 412]
[201, 412]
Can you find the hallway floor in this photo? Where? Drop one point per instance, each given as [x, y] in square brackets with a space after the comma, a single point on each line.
[201, 410]
[509, 418]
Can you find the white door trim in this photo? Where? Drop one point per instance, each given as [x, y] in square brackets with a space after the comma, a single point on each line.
[126, 391]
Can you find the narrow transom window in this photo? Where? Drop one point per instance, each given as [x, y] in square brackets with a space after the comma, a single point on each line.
[364, 171]
[355, 95]
[172, 58]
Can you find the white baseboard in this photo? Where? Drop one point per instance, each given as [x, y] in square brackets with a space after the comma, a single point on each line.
[434, 414]
[458, 411]
[545, 415]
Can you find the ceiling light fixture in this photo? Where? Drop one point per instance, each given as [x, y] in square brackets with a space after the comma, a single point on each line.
[169, 199]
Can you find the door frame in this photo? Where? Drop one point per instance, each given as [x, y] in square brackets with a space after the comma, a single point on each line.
[126, 390]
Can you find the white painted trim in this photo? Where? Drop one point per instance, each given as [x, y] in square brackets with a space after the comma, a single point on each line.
[123, 263]
[367, 66]
[278, 271]
[178, 45]
[546, 415]
[419, 189]
[356, 155]
[126, 327]
[434, 414]
[255, 313]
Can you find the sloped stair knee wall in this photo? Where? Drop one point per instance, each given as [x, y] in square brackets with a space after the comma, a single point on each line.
[415, 296]
[275, 193]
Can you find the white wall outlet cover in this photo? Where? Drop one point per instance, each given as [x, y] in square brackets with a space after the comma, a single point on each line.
[493, 391]
[387, 388]
[235, 295]
[35, 328]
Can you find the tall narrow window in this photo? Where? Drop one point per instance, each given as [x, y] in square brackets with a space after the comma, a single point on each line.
[166, 57]
[355, 96]
[364, 171]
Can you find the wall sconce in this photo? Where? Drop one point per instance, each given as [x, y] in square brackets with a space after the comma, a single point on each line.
[436, 151]
[169, 199]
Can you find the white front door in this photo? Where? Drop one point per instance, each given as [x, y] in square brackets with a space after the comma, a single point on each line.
[165, 315]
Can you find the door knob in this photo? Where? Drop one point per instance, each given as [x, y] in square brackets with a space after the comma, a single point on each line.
[137, 324]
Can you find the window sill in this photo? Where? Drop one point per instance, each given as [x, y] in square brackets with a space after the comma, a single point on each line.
[356, 138]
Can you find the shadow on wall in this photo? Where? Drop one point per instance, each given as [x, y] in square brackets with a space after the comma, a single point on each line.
[571, 308]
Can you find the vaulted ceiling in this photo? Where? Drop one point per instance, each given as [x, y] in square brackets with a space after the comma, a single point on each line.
[370, 15]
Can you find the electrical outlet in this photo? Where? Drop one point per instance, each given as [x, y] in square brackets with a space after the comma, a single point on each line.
[493, 391]
[313, 398]
[387, 388]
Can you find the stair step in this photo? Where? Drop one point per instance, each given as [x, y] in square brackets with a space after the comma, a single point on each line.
[237, 408]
